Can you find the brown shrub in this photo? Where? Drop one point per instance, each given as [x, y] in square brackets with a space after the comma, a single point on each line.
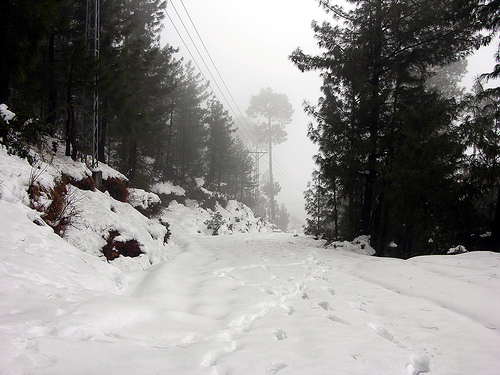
[113, 249]
[117, 188]
[86, 183]
[57, 215]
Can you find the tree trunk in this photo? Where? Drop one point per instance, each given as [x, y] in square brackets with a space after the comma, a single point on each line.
[132, 160]
[271, 180]
[52, 105]
[70, 121]
[495, 229]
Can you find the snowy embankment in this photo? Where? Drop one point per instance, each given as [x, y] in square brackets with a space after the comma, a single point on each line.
[253, 303]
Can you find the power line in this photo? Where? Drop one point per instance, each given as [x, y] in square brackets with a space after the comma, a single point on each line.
[292, 182]
[189, 51]
[277, 164]
[248, 132]
[282, 171]
[215, 66]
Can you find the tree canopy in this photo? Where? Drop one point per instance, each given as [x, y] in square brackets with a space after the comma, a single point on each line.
[158, 119]
[274, 111]
[388, 140]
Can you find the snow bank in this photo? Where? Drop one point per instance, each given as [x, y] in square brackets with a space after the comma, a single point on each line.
[95, 216]
[34, 254]
[6, 114]
[14, 178]
[360, 245]
[142, 199]
[99, 214]
[167, 188]
[191, 220]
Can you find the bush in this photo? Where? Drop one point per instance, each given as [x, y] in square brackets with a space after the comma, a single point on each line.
[62, 208]
[167, 226]
[117, 188]
[113, 249]
[20, 133]
[86, 183]
[214, 223]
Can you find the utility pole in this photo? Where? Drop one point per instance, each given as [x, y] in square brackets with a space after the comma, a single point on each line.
[92, 35]
[256, 176]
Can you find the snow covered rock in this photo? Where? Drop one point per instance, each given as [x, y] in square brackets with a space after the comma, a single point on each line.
[360, 245]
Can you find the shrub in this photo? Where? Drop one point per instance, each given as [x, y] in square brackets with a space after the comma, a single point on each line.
[20, 133]
[113, 249]
[86, 183]
[117, 188]
[167, 198]
[214, 223]
[167, 226]
[62, 208]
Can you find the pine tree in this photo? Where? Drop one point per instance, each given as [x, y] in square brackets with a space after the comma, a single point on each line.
[189, 130]
[23, 25]
[481, 130]
[376, 61]
[275, 112]
[282, 217]
[219, 142]
[321, 209]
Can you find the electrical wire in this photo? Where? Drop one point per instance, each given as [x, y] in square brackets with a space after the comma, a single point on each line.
[247, 131]
[280, 170]
[215, 66]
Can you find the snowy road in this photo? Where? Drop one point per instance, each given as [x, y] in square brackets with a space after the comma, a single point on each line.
[269, 304]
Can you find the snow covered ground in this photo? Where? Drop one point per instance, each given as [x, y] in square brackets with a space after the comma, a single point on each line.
[248, 303]
[243, 304]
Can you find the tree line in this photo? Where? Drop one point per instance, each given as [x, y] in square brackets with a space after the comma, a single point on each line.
[403, 156]
[157, 116]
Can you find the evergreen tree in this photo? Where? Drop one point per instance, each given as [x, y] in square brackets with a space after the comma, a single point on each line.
[376, 108]
[275, 112]
[220, 139]
[322, 214]
[240, 173]
[481, 130]
[189, 130]
[282, 217]
[23, 25]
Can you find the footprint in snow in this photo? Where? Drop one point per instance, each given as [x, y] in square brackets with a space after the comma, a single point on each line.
[419, 364]
[235, 346]
[324, 305]
[330, 291]
[280, 334]
[273, 368]
[336, 319]
[288, 310]
[382, 332]
[211, 359]
[269, 291]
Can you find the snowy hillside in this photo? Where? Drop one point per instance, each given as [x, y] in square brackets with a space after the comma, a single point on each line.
[254, 302]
